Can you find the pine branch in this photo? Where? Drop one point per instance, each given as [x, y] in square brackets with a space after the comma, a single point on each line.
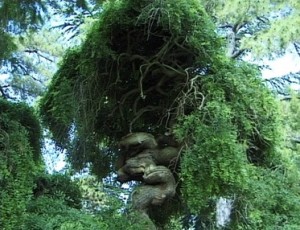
[279, 84]
[38, 53]
[238, 53]
[297, 47]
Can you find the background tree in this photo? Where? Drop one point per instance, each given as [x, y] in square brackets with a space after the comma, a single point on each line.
[33, 63]
[261, 27]
[34, 35]
[259, 30]
[16, 18]
[290, 112]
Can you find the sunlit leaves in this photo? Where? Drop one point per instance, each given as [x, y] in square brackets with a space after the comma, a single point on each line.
[229, 141]
[268, 26]
[273, 200]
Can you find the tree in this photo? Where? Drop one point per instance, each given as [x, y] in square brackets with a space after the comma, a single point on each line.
[162, 69]
[20, 156]
[31, 45]
[290, 110]
[56, 203]
[16, 18]
[261, 27]
[259, 30]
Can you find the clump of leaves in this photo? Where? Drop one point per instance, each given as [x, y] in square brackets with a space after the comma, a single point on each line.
[58, 186]
[24, 116]
[232, 136]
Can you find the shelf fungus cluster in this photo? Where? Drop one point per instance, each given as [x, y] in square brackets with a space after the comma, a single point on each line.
[149, 160]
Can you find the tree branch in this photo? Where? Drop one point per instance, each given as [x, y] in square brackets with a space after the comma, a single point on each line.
[3, 94]
[232, 38]
[38, 53]
[297, 47]
[238, 53]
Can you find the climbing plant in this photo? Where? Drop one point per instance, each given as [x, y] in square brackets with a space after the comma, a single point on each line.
[158, 67]
[20, 161]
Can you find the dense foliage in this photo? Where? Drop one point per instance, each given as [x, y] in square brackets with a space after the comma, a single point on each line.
[158, 67]
[25, 117]
[161, 68]
[120, 85]
[20, 161]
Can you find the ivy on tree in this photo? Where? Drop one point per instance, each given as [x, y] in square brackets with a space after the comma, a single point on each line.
[159, 66]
